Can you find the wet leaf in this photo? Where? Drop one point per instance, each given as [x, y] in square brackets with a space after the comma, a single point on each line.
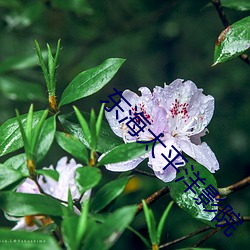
[233, 41]
[10, 136]
[185, 200]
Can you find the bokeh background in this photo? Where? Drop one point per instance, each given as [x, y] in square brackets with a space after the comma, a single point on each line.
[161, 41]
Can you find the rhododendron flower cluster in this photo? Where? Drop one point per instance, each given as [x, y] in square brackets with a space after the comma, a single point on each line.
[181, 112]
[58, 189]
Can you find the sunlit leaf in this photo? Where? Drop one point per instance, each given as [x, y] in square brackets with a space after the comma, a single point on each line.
[90, 81]
[233, 41]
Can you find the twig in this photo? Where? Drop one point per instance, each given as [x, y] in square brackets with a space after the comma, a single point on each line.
[152, 198]
[226, 23]
[235, 187]
[144, 173]
[207, 236]
[215, 230]
[204, 229]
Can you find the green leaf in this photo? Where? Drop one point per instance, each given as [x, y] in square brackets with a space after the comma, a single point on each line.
[8, 176]
[108, 193]
[20, 204]
[162, 221]
[19, 90]
[195, 248]
[87, 177]
[241, 5]
[53, 174]
[46, 138]
[78, 6]
[16, 240]
[151, 223]
[73, 146]
[18, 162]
[185, 200]
[105, 235]
[107, 139]
[69, 230]
[90, 81]
[143, 239]
[10, 136]
[92, 127]
[84, 125]
[19, 63]
[99, 122]
[123, 152]
[233, 41]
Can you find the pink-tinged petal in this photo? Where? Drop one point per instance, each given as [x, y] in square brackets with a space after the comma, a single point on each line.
[201, 153]
[29, 187]
[189, 110]
[125, 165]
[159, 162]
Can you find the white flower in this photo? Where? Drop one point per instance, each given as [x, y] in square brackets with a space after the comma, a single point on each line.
[58, 189]
[180, 113]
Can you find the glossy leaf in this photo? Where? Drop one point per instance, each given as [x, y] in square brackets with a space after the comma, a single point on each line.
[18, 162]
[87, 177]
[10, 136]
[8, 176]
[19, 90]
[233, 41]
[46, 138]
[73, 146]
[241, 5]
[108, 193]
[20, 204]
[105, 235]
[123, 152]
[16, 240]
[185, 200]
[107, 138]
[90, 81]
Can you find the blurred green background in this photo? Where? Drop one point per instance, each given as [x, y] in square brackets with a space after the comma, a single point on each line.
[162, 41]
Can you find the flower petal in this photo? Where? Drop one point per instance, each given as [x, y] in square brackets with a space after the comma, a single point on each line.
[29, 187]
[159, 162]
[201, 153]
[125, 165]
[189, 110]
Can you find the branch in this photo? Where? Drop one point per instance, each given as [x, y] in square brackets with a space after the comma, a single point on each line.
[152, 198]
[215, 230]
[144, 173]
[226, 23]
[235, 187]
[185, 237]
